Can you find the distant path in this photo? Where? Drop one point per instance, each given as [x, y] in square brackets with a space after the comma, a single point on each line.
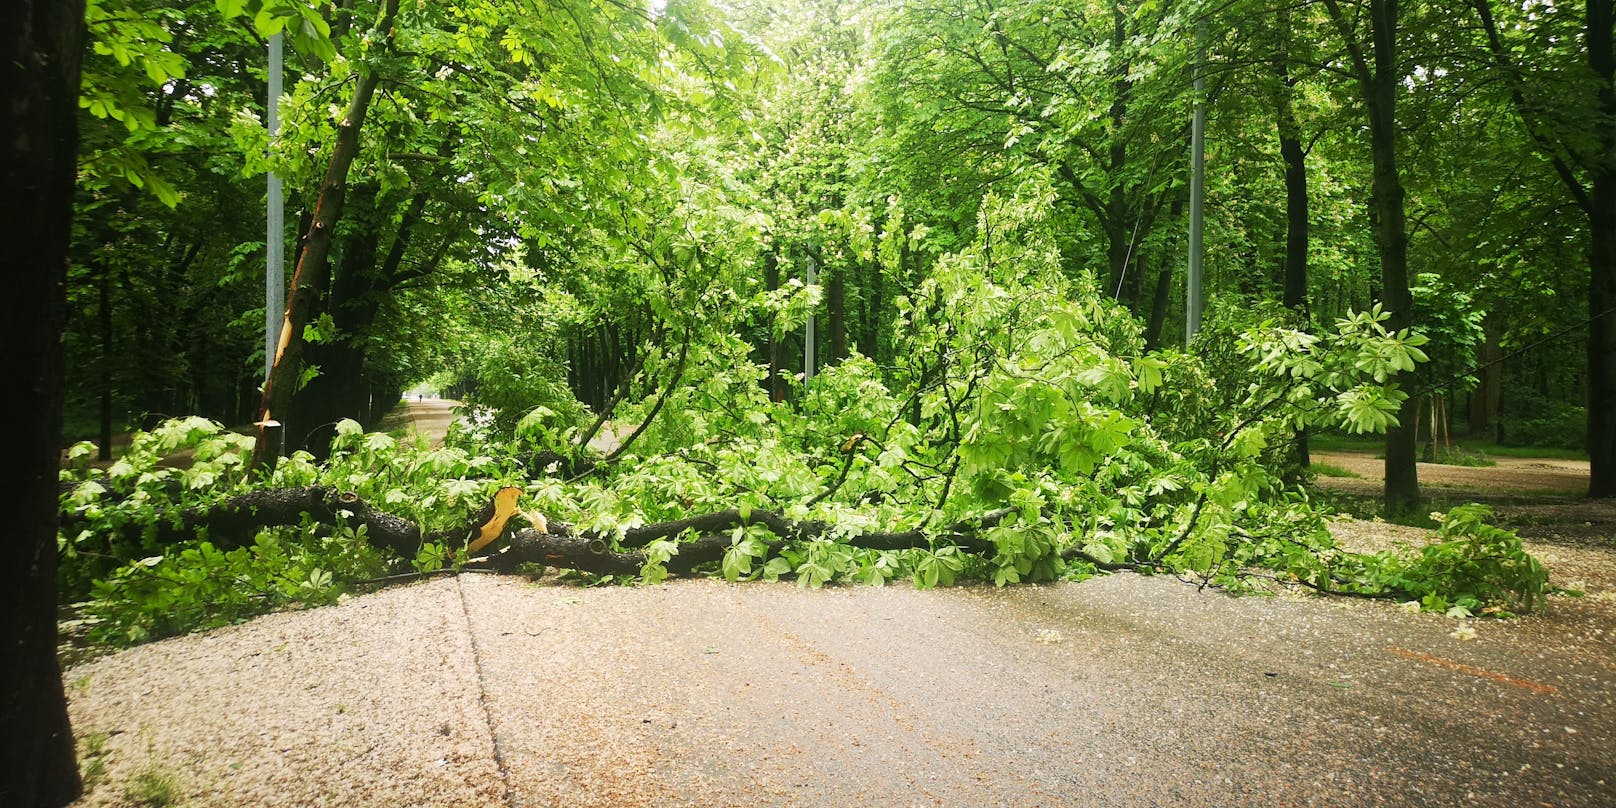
[1522, 476]
[428, 419]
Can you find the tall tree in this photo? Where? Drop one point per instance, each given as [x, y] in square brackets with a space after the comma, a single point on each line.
[40, 51]
[1379, 74]
[1569, 111]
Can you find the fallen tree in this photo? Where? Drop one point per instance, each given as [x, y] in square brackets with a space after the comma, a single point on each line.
[234, 522]
[1028, 442]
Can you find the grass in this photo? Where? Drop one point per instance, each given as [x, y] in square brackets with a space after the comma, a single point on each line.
[93, 759]
[1337, 442]
[153, 787]
[1496, 450]
[1332, 470]
[1460, 456]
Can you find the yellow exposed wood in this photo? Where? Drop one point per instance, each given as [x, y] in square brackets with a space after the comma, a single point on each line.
[504, 508]
[537, 520]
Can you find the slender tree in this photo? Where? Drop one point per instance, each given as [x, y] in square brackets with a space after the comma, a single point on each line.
[313, 274]
[40, 51]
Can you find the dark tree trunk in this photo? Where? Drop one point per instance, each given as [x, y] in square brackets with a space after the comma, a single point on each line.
[870, 339]
[103, 371]
[1119, 234]
[1602, 259]
[1598, 200]
[836, 310]
[313, 273]
[771, 279]
[1602, 341]
[1158, 309]
[41, 43]
[1296, 208]
[1296, 203]
[1402, 494]
[1485, 400]
[1378, 79]
[340, 390]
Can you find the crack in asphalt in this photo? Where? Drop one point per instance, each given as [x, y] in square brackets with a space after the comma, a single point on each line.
[482, 697]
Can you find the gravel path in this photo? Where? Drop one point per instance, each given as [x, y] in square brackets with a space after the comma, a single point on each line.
[1124, 690]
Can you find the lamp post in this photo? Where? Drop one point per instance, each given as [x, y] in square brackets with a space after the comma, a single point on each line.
[1192, 296]
[275, 235]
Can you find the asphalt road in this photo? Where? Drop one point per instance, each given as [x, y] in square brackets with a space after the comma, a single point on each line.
[1123, 691]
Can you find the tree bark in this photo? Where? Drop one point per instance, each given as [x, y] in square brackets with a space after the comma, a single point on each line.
[1297, 223]
[103, 371]
[313, 273]
[1158, 309]
[339, 391]
[41, 44]
[1296, 202]
[1378, 79]
[836, 310]
[234, 523]
[1596, 195]
[1484, 402]
[1601, 22]
[771, 279]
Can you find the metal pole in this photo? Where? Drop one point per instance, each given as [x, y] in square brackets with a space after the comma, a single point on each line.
[808, 330]
[1192, 296]
[275, 235]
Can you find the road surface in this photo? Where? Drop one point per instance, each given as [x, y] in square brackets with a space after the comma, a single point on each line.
[485, 690]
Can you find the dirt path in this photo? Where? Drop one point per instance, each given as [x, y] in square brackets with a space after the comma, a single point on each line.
[426, 419]
[1514, 476]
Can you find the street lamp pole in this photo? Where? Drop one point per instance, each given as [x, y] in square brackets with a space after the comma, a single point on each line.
[1192, 297]
[275, 235]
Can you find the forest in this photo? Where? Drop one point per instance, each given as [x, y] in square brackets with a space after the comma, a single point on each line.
[859, 291]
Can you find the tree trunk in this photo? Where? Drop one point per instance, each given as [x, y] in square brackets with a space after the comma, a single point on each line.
[313, 273]
[1602, 258]
[103, 371]
[41, 43]
[870, 338]
[1296, 210]
[339, 391]
[1602, 341]
[1158, 309]
[836, 310]
[1378, 83]
[1598, 200]
[1296, 203]
[1489, 392]
[771, 279]
[1402, 495]
[1119, 239]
